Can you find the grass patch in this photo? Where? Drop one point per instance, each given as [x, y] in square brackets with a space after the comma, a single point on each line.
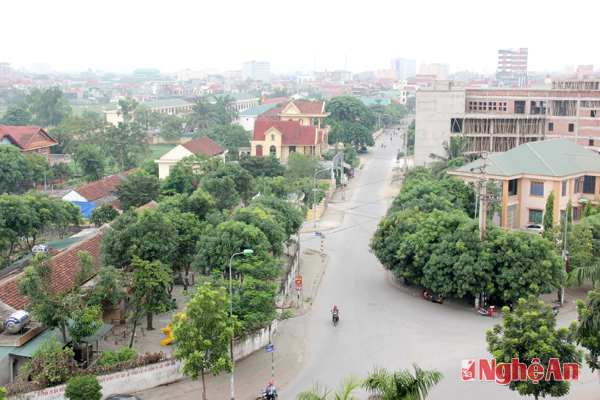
[159, 150]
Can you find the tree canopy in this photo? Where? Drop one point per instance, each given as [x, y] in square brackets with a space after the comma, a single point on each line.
[354, 121]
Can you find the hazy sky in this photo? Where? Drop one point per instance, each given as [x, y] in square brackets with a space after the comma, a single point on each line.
[176, 34]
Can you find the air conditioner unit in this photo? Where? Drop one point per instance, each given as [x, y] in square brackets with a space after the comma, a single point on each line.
[582, 179]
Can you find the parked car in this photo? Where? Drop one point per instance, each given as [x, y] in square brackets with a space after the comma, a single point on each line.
[121, 397]
[534, 228]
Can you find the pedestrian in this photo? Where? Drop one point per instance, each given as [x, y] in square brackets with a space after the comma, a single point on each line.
[343, 196]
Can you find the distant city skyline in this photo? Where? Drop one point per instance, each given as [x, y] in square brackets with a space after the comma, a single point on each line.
[455, 33]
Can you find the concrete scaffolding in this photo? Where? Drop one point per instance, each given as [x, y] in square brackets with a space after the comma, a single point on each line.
[501, 134]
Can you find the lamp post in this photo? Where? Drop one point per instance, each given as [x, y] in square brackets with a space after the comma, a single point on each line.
[315, 197]
[247, 251]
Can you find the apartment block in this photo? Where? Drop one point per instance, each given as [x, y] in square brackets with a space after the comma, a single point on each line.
[406, 68]
[441, 71]
[257, 70]
[495, 120]
[513, 61]
[387, 74]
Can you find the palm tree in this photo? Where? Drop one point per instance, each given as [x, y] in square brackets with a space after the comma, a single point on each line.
[589, 323]
[343, 392]
[456, 149]
[202, 116]
[402, 385]
[227, 103]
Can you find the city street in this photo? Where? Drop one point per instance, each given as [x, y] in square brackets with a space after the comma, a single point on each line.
[382, 325]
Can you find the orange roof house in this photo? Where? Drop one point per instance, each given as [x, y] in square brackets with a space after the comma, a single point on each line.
[30, 139]
[203, 145]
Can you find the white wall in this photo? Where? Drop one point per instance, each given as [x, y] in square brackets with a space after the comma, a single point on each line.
[73, 196]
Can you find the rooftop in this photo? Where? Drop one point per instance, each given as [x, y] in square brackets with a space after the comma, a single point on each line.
[293, 133]
[165, 103]
[235, 96]
[256, 110]
[203, 145]
[556, 158]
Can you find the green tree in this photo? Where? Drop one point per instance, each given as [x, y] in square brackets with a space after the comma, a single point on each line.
[86, 322]
[241, 178]
[548, 222]
[229, 136]
[142, 115]
[16, 223]
[588, 327]
[61, 171]
[225, 109]
[50, 364]
[187, 173]
[103, 215]
[91, 161]
[284, 212]
[14, 168]
[74, 131]
[530, 334]
[137, 189]
[188, 232]
[149, 295]
[262, 166]
[205, 334]
[49, 107]
[355, 121]
[16, 116]
[302, 166]
[456, 149]
[91, 115]
[2, 393]
[201, 116]
[171, 128]
[222, 190]
[127, 107]
[149, 235]
[403, 384]
[344, 390]
[38, 164]
[64, 214]
[411, 103]
[126, 145]
[266, 222]
[84, 387]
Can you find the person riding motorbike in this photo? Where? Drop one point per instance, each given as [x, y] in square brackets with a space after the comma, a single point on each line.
[270, 392]
[335, 310]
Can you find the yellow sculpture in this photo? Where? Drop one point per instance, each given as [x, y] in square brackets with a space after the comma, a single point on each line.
[169, 332]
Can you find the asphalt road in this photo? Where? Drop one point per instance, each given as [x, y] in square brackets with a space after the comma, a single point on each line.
[382, 325]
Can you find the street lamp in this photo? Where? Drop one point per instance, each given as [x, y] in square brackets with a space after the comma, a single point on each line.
[315, 197]
[247, 251]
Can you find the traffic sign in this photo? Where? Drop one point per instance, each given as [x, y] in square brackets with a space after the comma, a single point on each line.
[269, 348]
[298, 283]
[318, 233]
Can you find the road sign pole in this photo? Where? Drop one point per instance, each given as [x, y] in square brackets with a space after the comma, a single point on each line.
[273, 366]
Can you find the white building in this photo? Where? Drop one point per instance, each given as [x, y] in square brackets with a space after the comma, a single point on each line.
[198, 146]
[257, 70]
[406, 68]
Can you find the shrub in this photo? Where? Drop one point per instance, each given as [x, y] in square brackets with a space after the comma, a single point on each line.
[84, 387]
[2, 393]
[50, 364]
[111, 357]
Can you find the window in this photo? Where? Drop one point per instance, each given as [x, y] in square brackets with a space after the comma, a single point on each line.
[571, 127]
[292, 149]
[593, 113]
[577, 211]
[273, 150]
[272, 137]
[512, 187]
[456, 125]
[578, 186]
[563, 190]
[589, 184]
[519, 107]
[535, 216]
[591, 142]
[551, 127]
[537, 188]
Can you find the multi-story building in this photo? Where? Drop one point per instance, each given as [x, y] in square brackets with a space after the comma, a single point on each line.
[187, 74]
[498, 119]
[406, 68]
[512, 61]
[4, 68]
[340, 75]
[387, 74]
[527, 174]
[257, 70]
[441, 71]
[585, 71]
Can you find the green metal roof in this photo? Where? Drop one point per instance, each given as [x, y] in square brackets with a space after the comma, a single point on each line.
[256, 110]
[235, 96]
[370, 101]
[29, 348]
[166, 103]
[558, 157]
[5, 351]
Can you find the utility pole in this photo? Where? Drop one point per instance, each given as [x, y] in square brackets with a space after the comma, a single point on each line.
[564, 253]
[405, 166]
[482, 199]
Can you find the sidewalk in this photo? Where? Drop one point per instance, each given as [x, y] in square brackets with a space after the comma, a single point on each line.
[252, 373]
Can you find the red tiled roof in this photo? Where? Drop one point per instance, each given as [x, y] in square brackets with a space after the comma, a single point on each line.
[116, 204]
[308, 107]
[99, 189]
[64, 267]
[22, 135]
[151, 205]
[293, 133]
[270, 115]
[203, 145]
[275, 100]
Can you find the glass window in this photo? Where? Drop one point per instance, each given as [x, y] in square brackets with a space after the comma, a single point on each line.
[577, 211]
[589, 184]
[563, 191]
[551, 127]
[537, 189]
[512, 187]
[535, 216]
[272, 137]
[273, 150]
[571, 127]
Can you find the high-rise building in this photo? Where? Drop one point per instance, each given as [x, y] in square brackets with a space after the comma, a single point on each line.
[4, 68]
[512, 61]
[387, 74]
[585, 71]
[257, 70]
[406, 68]
[441, 71]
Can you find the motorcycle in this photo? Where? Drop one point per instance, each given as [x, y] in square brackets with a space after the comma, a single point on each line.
[429, 297]
[555, 310]
[265, 396]
[484, 311]
[336, 318]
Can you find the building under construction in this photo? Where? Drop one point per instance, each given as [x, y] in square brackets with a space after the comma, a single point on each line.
[499, 119]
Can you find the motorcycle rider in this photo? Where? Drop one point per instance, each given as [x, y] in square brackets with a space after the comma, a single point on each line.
[335, 310]
[270, 391]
